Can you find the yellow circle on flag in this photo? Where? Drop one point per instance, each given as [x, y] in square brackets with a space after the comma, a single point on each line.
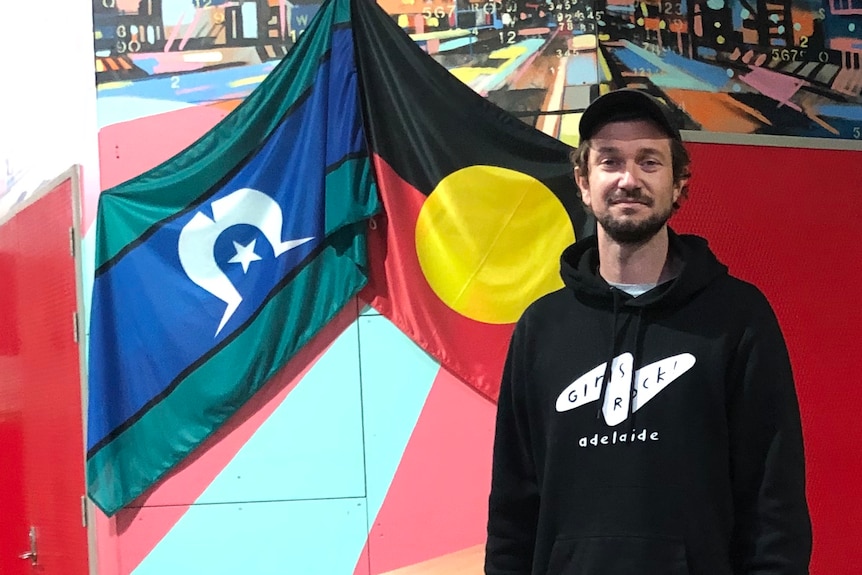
[489, 241]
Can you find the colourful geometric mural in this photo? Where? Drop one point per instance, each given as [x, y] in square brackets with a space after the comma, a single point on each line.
[783, 68]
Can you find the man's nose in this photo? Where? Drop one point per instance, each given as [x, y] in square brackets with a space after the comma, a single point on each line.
[628, 180]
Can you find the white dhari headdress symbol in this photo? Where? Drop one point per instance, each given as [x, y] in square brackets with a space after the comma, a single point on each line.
[198, 238]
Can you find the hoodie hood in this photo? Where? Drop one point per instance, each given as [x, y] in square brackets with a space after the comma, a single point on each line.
[699, 268]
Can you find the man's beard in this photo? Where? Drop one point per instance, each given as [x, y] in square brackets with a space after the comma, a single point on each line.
[634, 232]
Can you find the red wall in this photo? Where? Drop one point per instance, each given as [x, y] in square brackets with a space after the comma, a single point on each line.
[789, 220]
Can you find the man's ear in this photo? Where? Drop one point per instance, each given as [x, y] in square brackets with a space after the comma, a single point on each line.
[678, 189]
[583, 186]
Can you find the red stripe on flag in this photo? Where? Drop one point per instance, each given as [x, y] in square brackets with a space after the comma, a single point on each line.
[472, 350]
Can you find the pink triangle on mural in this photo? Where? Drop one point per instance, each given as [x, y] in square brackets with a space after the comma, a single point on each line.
[437, 502]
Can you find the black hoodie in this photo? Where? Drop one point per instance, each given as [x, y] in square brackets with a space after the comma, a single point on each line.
[702, 472]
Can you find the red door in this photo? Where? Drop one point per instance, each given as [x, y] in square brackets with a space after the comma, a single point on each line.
[41, 429]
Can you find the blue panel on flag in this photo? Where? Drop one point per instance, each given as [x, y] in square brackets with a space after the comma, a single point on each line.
[194, 281]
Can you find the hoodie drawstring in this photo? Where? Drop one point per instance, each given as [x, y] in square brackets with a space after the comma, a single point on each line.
[606, 378]
[636, 356]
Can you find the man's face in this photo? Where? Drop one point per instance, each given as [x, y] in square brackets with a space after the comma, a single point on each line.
[630, 187]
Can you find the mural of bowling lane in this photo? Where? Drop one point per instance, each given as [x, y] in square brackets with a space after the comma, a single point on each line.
[155, 55]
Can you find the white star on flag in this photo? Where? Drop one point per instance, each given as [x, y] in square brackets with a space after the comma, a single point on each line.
[244, 255]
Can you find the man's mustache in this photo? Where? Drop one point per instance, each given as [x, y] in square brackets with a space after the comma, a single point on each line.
[630, 196]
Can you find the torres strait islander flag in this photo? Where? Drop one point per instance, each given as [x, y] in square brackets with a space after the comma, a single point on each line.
[214, 268]
[478, 205]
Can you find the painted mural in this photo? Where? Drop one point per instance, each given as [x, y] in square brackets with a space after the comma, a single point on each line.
[782, 67]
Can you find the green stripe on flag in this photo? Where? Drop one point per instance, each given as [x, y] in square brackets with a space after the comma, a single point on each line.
[175, 185]
[205, 398]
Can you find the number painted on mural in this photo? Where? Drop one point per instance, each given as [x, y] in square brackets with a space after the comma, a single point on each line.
[202, 3]
[175, 82]
[857, 132]
[109, 3]
[788, 54]
[823, 56]
[673, 8]
[121, 31]
[565, 5]
[438, 12]
[508, 37]
[654, 48]
[803, 41]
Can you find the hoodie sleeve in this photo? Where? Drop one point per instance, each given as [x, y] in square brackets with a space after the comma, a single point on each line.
[513, 506]
[772, 529]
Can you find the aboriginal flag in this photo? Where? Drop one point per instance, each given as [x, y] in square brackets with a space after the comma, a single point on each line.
[478, 205]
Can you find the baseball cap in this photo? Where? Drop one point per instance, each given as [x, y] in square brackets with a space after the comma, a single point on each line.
[626, 104]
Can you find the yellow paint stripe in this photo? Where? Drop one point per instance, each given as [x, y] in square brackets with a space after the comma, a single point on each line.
[113, 86]
[247, 81]
[465, 562]
[603, 64]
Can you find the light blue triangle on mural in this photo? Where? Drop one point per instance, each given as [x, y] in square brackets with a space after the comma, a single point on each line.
[316, 537]
[311, 445]
[397, 376]
[305, 469]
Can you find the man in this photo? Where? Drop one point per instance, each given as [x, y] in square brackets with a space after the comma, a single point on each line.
[647, 421]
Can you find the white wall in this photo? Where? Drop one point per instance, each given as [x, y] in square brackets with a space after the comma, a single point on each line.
[47, 94]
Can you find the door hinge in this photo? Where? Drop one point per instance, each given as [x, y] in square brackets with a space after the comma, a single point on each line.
[72, 241]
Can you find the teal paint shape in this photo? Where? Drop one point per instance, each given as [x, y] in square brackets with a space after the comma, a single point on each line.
[326, 535]
[274, 538]
[396, 378]
[662, 73]
[582, 69]
[311, 445]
